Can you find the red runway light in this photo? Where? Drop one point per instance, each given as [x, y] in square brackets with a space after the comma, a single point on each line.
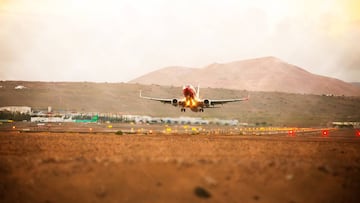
[358, 133]
[291, 133]
[325, 133]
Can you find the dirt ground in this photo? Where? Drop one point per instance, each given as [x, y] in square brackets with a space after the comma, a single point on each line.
[89, 167]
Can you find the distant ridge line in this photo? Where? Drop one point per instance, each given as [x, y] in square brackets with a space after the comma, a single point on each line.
[268, 74]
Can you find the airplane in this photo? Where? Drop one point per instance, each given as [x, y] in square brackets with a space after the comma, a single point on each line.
[192, 100]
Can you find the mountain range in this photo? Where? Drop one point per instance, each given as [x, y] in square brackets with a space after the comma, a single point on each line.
[268, 74]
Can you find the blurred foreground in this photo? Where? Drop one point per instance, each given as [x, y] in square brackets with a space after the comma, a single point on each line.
[105, 167]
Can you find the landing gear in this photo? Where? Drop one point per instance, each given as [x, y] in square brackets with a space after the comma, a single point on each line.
[201, 110]
[183, 109]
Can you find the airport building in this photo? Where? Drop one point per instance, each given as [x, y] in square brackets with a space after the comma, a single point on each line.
[16, 109]
[49, 116]
[346, 124]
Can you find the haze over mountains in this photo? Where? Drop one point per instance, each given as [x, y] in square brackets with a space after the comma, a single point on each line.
[260, 74]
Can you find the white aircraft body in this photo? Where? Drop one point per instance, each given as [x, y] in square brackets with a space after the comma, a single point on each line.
[192, 100]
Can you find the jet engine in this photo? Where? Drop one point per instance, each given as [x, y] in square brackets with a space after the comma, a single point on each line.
[174, 102]
[207, 102]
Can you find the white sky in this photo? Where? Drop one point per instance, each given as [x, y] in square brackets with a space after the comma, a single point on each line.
[119, 40]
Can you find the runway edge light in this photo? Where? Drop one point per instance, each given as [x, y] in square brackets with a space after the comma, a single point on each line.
[325, 133]
[291, 132]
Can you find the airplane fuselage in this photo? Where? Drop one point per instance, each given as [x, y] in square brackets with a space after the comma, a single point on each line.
[191, 100]
[189, 91]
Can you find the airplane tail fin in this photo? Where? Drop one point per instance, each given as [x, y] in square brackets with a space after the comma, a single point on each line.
[198, 91]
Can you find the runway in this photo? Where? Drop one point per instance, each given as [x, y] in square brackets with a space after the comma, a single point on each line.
[276, 133]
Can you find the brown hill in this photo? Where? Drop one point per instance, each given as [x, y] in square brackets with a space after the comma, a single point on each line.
[261, 74]
[271, 108]
[356, 84]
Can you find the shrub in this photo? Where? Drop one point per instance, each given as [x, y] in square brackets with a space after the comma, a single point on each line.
[119, 132]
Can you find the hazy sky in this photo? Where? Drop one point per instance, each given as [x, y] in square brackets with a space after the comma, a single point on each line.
[119, 40]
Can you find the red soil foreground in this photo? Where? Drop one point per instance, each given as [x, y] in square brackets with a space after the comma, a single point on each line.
[73, 167]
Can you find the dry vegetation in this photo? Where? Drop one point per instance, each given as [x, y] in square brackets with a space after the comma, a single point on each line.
[270, 108]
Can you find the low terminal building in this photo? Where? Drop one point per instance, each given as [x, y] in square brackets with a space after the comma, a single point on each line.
[127, 118]
[50, 119]
[351, 124]
[19, 109]
[177, 120]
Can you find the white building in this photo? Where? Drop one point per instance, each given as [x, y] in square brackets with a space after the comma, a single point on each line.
[50, 119]
[19, 87]
[20, 109]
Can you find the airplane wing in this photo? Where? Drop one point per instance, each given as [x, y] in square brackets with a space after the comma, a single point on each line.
[223, 101]
[163, 100]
